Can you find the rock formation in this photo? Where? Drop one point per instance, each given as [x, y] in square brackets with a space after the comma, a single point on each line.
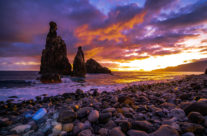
[79, 68]
[93, 66]
[206, 71]
[50, 78]
[54, 56]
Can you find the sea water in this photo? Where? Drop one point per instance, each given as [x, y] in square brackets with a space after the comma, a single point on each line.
[24, 85]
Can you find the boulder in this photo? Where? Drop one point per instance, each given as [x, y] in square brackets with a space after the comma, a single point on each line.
[93, 66]
[142, 125]
[79, 67]
[104, 117]
[199, 106]
[191, 127]
[136, 133]
[54, 56]
[66, 116]
[68, 127]
[50, 78]
[116, 132]
[93, 116]
[21, 128]
[86, 132]
[196, 117]
[165, 130]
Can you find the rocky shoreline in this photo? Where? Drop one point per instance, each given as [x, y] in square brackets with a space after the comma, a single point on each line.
[161, 109]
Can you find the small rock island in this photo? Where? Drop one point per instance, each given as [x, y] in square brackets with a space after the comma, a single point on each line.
[54, 56]
[93, 67]
[54, 61]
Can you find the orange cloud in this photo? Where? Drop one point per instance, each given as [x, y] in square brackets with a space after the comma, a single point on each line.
[93, 52]
[112, 32]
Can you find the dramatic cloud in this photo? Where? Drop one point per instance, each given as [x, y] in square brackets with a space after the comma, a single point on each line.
[124, 35]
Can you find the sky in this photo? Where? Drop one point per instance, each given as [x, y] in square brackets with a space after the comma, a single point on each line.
[124, 35]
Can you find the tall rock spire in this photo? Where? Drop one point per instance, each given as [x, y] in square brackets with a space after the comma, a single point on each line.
[54, 56]
[79, 68]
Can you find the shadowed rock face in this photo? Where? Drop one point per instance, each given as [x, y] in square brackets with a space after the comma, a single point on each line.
[93, 66]
[79, 68]
[54, 56]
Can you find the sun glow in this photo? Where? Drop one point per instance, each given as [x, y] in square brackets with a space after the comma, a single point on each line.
[158, 62]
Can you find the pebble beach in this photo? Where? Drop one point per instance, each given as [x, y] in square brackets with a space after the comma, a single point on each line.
[174, 108]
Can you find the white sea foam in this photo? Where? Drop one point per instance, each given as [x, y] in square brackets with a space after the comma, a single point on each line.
[101, 82]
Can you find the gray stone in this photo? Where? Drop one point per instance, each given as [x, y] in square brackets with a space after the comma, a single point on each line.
[199, 106]
[165, 130]
[86, 132]
[103, 131]
[66, 116]
[178, 113]
[68, 127]
[188, 134]
[116, 132]
[142, 125]
[136, 133]
[196, 117]
[78, 128]
[93, 116]
[83, 112]
[104, 117]
[191, 127]
[21, 128]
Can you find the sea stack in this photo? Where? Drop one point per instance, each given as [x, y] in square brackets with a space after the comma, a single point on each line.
[94, 67]
[54, 56]
[79, 67]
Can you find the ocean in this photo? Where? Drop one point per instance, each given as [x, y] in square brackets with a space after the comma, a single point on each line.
[24, 85]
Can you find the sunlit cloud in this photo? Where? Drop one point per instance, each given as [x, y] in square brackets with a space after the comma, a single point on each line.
[113, 32]
[122, 35]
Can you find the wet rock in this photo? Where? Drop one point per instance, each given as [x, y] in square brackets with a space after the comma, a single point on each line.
[168, 105]
[172, 122]
[86, 132]
[191, 127]
[177, 113]
[125, 100]
[21, 128]
[199, 106]
[188, 134]
[57, 128]
[68, 127]
[50, 78]
[125, 125]
[78, 128]
[104, 117]
[83, 112]
[116, 132]
[142, 125]
[67, 116]
[185, 96]
[103, 131]
[109, 110]
[136, 133]
[165, 130]
[79, 68]
[196, 117]
[29, 133]
[93, 66]
[54, 56]
[110, 124]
